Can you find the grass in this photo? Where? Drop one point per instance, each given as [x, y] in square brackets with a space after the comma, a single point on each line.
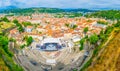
[3, 66]
[108, 58]
[5, 25]
[87, 64]
[95, 52]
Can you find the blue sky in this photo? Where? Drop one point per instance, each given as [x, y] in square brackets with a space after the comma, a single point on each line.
[63, 3]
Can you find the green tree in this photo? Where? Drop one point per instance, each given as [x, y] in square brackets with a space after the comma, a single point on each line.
[22, 46]
[19, 26]
[3, 41]
[5, 19]
[93, 39]
[15, 21]
[74, 26]
[6, 55]
[29, 40]
[85, 30]
[67, 25]
[21, 29]
[4, 44]
[82, 43]
[26, 23]
[102, 22]
[108, 30]
[107, 14]
[117, 24]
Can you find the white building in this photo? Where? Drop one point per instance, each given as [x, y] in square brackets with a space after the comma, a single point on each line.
[51, 40]
[29, 29]
[76, 38]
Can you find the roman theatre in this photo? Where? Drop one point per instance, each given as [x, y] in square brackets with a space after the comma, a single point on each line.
[51, 51]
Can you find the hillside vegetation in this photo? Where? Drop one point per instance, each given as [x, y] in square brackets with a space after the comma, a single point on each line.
[108, 14]
[43, 10]
[6, 56]
[102, 58]
[109, 57]
[3, 66]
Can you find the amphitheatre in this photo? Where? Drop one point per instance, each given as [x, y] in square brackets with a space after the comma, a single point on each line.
[48, 54]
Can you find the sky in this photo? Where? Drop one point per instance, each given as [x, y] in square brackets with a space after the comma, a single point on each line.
[89, 4]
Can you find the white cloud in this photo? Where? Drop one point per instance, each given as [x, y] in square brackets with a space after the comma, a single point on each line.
[62, 3]
[5, 3]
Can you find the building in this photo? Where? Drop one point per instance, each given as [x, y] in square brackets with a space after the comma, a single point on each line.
[29, 29]
[50, 44]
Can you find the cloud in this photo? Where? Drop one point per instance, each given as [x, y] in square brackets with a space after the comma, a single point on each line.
[5, 3]
[63, 3]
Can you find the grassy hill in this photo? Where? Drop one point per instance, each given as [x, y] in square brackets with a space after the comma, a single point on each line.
[5, 25]
[3, 66]
[108, 60]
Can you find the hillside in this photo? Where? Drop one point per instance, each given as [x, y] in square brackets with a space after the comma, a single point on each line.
[108, 60]
[108, 14]
[3, 66]
[8, 7]
[42, 10]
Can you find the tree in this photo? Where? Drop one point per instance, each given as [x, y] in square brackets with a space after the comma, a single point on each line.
[21, 29]
[3, 41]
[6, 55]
[22, 46]
[117, 24]
[82, 43]
[109, 14]
[12, 40]
[67, 25]
[5, 19]
[85, 30]
[93, 39]
[102, 22]
[74, 26]
[4, 44]
[26, 23]
[15, 21]
[29, 40]
[19, 26]
[108, 30]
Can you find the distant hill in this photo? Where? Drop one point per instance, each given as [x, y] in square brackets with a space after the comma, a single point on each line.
[13, 9]
[8, 8]
[78, 10]
[109, 14]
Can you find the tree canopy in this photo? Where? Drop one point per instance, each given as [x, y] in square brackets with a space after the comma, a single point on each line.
[29, 40]
[93, 39]
[5, 19]
[102, 22]
[7, 55]
[15, 21]
[85, 30]
[82, 43]
[108, 14]
[26, 24]
[19, 26]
